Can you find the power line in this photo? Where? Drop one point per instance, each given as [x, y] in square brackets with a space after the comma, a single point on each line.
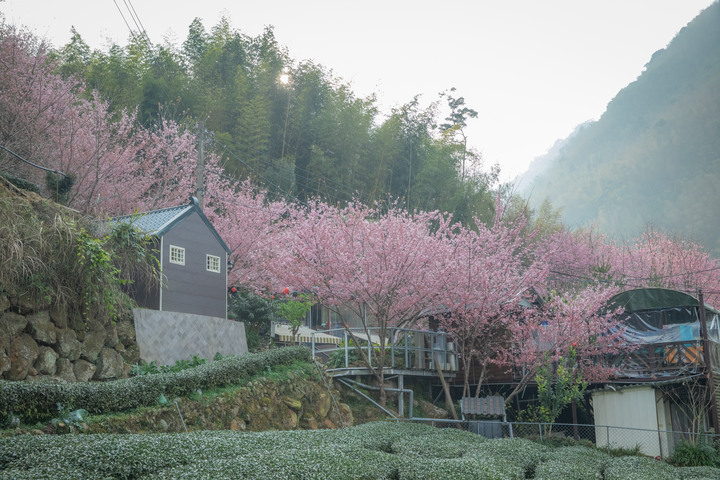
[136, 19]
[677, 274]
[30, 163]
[132, 33]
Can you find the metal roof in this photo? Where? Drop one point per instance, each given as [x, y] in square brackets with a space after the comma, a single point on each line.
[159, 222]
[155, 222]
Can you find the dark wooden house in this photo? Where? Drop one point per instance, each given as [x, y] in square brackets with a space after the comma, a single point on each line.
[193, 259]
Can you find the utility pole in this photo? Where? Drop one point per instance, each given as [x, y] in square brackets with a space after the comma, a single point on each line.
[199, 179]
[707, 356]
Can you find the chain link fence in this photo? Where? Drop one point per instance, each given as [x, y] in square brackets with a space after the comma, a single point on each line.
[654, 443]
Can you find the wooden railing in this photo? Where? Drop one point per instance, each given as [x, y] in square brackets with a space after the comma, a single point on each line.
[666, 359]
[657, 360]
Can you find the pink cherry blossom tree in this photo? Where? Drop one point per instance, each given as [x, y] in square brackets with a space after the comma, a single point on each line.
[657, 259]
[581, 320]
[578, 258]
[100, 154]
[384, 268]
[489, 272]
[53, 122]
[31, 95]
[253, 228]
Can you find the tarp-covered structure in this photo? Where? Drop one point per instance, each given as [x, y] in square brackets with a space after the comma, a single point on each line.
[659, 315]
[665, 326]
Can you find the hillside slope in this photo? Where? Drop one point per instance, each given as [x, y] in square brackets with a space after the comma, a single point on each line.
[654, 155]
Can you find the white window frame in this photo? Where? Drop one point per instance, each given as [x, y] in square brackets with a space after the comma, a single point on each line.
[212, 263]
[177, 255]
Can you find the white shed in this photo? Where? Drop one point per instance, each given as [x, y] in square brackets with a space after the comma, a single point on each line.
[633, 416]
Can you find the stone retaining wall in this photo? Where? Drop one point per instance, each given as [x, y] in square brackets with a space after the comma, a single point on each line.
[50, 343]
[298, 402]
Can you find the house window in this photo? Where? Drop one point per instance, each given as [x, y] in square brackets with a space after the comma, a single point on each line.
[177, 255]
[212, 263]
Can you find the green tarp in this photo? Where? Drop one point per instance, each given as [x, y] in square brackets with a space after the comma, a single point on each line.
[655, 298]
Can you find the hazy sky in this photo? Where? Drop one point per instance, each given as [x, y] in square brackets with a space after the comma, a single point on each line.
[532, 69]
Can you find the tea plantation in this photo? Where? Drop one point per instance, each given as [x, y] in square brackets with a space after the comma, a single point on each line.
[380, 450]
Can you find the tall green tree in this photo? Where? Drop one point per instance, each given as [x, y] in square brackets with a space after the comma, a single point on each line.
[454, 126]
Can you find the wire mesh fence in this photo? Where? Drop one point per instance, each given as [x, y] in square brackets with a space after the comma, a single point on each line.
[654, 443]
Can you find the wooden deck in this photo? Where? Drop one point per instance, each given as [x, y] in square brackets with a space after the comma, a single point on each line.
[649, 362]
[666, 360]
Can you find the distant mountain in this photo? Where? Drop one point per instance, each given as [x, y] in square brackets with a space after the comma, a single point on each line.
[543, 162]
[654, 155]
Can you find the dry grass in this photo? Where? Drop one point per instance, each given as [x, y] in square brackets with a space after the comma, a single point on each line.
[37, 246]
[50, 256]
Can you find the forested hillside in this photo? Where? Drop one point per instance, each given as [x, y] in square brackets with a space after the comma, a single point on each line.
[654, 155]
[290, 125]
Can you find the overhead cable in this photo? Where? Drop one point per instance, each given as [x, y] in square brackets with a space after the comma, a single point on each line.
[32, 164]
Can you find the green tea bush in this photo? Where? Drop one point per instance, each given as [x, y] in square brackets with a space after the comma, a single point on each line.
[572, 462]
[332, 463]
[152, 368]
[37, 401]
[202, 455]
[640, 468]
[697, 473]
[525, 453]
[442, 443]
[465, 468]
[381, 436]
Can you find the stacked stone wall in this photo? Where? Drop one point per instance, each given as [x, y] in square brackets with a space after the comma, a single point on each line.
[38, 343]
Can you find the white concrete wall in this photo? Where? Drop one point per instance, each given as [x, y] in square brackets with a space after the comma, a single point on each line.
[166, 337]
[627, 409]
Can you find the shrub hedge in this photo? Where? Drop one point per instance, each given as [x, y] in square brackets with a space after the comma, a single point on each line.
[37, 401]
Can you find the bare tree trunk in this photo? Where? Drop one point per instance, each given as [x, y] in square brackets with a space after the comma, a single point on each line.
[481, 380]
[383, 396]
[518, 388]
[466, 375]
[446, 388]
[378, 371]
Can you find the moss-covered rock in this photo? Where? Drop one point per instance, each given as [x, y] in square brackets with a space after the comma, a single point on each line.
[46, 363]
[41, 328]
[93, 344]
[68, 345]
[23, 354]
[12, 324]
